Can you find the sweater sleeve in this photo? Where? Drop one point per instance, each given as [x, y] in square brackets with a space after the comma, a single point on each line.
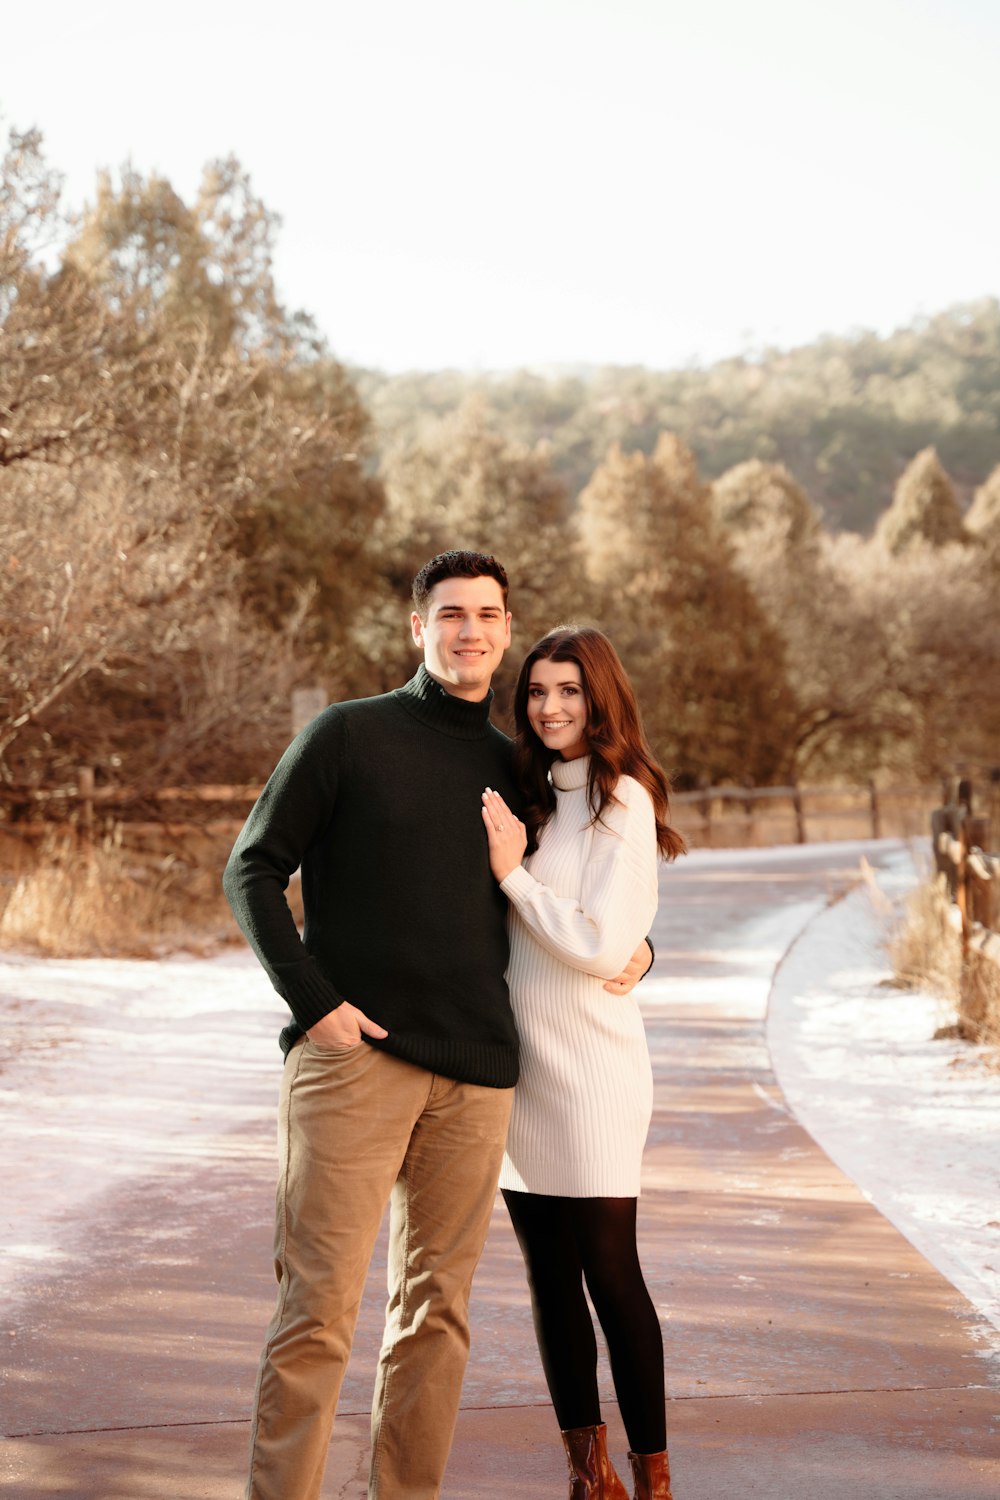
[599, 932]
[292, 810]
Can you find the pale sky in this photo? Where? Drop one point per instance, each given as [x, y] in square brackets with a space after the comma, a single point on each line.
[540, 182]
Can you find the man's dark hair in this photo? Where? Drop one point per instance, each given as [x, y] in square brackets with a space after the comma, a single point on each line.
[455, 565]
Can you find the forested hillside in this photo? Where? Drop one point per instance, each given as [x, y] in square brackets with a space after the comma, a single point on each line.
[844, 415]
[709, 520]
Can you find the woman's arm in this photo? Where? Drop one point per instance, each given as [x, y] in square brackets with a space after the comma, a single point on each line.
[599, 932]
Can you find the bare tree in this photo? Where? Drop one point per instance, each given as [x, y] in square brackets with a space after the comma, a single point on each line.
[182, 483]
[125, 643]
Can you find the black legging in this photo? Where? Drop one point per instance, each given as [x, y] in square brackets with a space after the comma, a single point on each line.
[565, 1241]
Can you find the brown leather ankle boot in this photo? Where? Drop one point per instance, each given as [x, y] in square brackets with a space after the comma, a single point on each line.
[651, 1472]
[591, 1475]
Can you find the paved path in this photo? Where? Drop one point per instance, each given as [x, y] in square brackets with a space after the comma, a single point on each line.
[811, 1352]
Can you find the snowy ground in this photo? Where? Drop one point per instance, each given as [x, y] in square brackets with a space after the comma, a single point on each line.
[112, 1069]
[914, 1122]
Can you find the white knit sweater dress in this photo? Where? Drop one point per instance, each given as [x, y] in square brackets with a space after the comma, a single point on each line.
[579, 908]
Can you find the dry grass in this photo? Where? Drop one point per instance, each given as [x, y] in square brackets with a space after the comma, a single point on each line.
[107, 901]
[979, 1010]
[925, 949]
[926, 954]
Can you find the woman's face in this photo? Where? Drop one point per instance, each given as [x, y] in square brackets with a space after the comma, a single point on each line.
[557, 707]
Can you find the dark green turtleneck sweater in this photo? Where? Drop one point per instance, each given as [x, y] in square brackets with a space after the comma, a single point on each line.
[378, 800]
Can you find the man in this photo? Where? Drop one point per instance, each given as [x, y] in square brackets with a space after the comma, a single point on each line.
[402, 1053]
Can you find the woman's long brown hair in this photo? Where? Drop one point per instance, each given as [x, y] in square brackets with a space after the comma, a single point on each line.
[615, 738]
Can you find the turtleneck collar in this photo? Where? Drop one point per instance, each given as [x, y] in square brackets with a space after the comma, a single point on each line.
[428, 701]
[570, 775]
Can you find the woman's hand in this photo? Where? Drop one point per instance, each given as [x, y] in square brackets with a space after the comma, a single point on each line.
[507, 836]
[636, 968]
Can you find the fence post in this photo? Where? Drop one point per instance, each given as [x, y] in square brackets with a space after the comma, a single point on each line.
[977, 834]
[943, 863]
[705, 808]
[85, 794]
[875, 810]
[800, 818]
[962, 886]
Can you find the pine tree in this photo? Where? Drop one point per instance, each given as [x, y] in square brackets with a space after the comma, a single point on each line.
[706, 665]
[462, 484]
[983, 518]
[923, 509]
[762, 508]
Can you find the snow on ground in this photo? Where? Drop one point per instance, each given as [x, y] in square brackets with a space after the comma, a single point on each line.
[113, 1068]
[913, 1121]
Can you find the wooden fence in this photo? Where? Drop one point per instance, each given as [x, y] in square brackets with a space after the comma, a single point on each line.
[959, 841]
[712, 817]
[748, 817]
[86, 808]
[972, 875]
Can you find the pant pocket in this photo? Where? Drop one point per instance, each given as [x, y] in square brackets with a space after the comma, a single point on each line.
[347, 1050]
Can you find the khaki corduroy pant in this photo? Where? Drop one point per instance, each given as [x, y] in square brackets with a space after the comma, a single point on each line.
[359, 1128]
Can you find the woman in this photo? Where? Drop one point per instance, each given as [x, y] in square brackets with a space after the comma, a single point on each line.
[596, 806]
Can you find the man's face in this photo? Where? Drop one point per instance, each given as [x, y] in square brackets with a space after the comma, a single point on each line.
[465, 635]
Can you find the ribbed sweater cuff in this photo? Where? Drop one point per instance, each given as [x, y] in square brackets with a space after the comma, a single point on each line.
[311, 998]
[518, 885]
